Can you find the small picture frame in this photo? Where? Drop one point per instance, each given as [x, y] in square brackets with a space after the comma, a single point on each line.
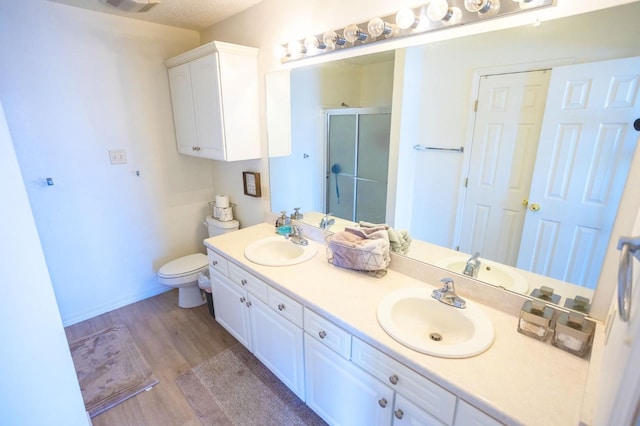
[251, 182]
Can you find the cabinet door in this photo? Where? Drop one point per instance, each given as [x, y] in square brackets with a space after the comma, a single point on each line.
[232, 313]
[205, 83]
[278, 344]
[183, 109]
[406, 413]
[340, 392]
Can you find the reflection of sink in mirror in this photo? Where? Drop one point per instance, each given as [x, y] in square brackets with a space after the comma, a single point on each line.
[489, 272]
[415, 319]
[278, 251]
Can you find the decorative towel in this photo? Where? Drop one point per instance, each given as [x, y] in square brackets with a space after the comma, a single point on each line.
[399, 240]
[361, 249]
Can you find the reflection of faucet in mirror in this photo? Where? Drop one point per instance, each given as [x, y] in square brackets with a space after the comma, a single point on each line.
[473, 266]
[296, 236]
[447, 294]
[326, 222]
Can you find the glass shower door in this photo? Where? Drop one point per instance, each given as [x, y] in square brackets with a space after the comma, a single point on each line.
[357, 166]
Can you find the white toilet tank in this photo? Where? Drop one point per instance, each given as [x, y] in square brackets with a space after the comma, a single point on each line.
[217, 227]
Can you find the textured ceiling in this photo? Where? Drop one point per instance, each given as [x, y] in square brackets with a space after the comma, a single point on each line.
[192, 14]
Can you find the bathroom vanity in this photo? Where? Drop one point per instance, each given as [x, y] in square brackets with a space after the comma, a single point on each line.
[315, 327]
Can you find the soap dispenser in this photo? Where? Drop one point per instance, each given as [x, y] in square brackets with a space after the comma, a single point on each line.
[283, 224]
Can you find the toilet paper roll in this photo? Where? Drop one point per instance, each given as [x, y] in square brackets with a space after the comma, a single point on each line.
[222, 201]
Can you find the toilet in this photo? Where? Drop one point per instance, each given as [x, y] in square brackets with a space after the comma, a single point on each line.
[183, 273]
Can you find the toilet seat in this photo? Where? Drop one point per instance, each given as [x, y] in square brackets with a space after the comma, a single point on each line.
[183, 270]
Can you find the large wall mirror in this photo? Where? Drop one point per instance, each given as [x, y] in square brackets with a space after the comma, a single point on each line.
[431, 91]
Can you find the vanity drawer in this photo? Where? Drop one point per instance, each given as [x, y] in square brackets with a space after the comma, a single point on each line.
[218, 263]
[327, 333]
[247, 281]
[422, 391]
[285, 306]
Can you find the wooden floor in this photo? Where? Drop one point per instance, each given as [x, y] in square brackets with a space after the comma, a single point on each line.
[172, 340]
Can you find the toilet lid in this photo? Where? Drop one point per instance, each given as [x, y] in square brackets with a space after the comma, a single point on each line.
[184, 265]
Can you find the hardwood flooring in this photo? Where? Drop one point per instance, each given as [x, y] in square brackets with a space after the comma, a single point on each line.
[173, 340]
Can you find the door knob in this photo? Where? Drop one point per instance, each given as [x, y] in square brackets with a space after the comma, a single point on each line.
[525, 202]
[534, 207]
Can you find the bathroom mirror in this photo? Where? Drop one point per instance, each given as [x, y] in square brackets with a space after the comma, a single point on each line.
[441, 112]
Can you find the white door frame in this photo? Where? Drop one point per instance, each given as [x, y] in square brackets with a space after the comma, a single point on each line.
[478, 73]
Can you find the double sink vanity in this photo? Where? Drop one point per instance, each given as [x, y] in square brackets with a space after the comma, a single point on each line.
[380, 351]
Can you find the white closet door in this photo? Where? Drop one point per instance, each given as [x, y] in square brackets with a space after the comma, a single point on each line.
[505, 141]
[586, 145]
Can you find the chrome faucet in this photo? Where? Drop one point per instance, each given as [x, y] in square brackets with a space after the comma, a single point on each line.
[447, 294]
[473, 266]
[296, 236]
[327, 222]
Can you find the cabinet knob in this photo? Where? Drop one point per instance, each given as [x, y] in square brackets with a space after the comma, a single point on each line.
[322, 334]
[248, 303]
[243, 282]
[242, 300]
[382, 402]
[393, 379]
[281, 307]
[399, 414]
[214, 263]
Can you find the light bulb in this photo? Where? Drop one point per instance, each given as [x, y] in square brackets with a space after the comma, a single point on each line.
[296, 48]
[485, 8]
[352, 33]
[439, 10]
[314, 43]
[378, 27]
[406, 19]
[280, 52]
[331, 40]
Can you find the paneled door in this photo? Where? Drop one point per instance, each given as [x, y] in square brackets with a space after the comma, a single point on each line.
[505, 141]
[586, 145]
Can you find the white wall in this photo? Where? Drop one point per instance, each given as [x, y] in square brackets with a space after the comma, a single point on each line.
[39, 384]
[76, 84]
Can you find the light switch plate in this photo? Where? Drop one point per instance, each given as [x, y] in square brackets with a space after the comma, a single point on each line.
[118, 156]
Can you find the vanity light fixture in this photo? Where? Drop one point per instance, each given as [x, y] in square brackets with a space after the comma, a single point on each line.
[439, 10]
[433, 15]
[378, 27]
[484, 8]
[332, 40]
[353, 33]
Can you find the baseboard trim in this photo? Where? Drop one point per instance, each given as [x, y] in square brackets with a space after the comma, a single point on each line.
[99, 310]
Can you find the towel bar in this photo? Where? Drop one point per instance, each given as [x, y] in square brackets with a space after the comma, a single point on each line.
[629, 247]
[434, 148]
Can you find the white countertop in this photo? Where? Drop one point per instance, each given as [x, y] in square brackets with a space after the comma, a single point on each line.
[519, 380]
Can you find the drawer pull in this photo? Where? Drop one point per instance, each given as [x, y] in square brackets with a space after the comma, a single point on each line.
[393, 379]
[214, 263]
[281, 307]
[399, 414]
[382, 402]
[243, 282]
[322, 334]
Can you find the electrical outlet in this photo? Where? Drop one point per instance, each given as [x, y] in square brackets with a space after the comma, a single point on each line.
[118, 156]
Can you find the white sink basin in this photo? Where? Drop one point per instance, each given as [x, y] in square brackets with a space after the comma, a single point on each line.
[415, 319]
[490, 272]
[278, 251]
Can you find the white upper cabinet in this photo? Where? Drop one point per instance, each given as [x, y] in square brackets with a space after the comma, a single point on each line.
[214, 95]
